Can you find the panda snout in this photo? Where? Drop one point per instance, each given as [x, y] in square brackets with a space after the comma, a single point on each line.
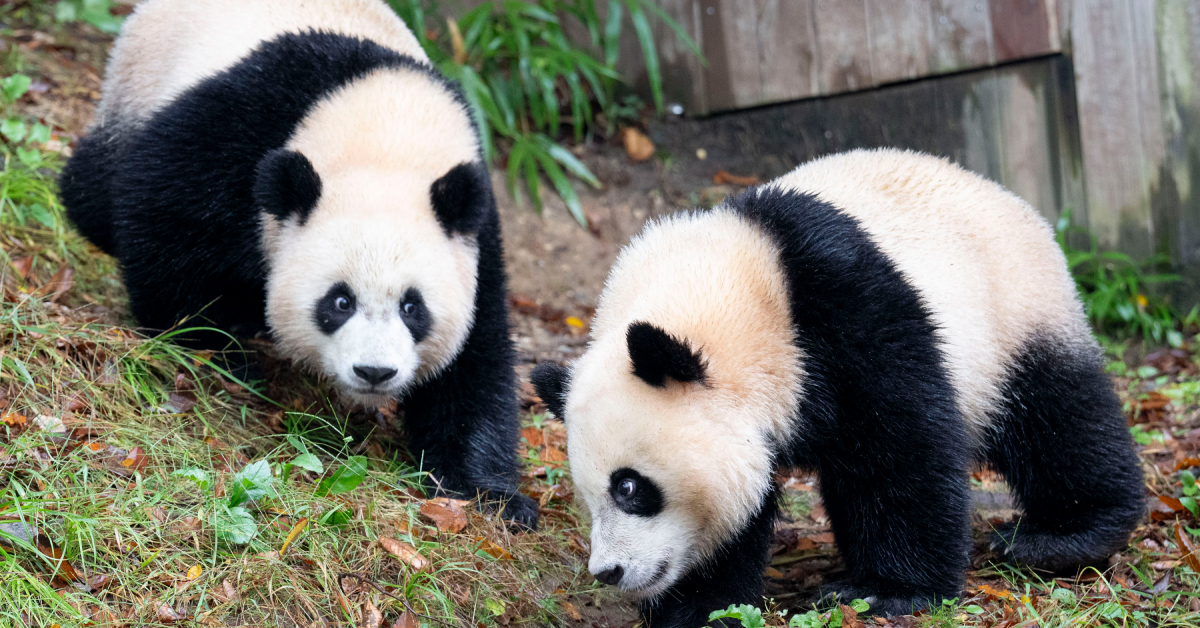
[611, 576]
[375, 375]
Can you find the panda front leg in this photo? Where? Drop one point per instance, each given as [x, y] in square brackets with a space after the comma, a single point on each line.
[462, 423]
[1062, 444]
[734, 575]
[896, 494]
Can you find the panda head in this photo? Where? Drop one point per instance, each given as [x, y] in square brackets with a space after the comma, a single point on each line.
[372, 272]
[660, 453]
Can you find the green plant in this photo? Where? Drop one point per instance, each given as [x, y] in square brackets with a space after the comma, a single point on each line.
[1191, 492]
[524, 77]
[1117, 291]
[98, 13]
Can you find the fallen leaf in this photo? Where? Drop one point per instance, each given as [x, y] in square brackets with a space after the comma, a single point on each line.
[13, 419]
[167, 614]
[59, 284]
[23, 265]
[574, 322]
[225, 592]
[572, 612]
[772, 572]
[194, 572]
[406, 620]
[405, 552]
[1187, 549]
[457, 45]
[99, 582]
[136, 460]
[723, 177]
[850, 617]
[296, 530]
[180, 403]
[1187, 463]
[637, 145]
[999, 594]
[493, 550]
[533, 436]
[1172, 503]
[553, 454]
[447, 514]
[372, 618]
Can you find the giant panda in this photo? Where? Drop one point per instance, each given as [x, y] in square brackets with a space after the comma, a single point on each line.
[298, 167]
[883, 317]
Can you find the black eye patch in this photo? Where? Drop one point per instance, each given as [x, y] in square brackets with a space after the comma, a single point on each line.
[634, 493]
[335, 308]
[415, 315]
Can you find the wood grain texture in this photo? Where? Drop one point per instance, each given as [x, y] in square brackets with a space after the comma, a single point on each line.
[787, 50]
[962, 34]
[1021, 29]
[901, 32]
[844, 45]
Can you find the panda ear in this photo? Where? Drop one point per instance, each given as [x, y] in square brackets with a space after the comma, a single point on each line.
[287, 185]
[657, 355]
[550, 382]
[462, 198]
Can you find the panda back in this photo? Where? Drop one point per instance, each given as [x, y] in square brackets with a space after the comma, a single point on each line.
[167, 46]
[984, 262]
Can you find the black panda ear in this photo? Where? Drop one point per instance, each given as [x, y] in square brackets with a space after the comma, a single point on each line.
[550, 382]
[657, 355]
[462, 198]
[287, 185]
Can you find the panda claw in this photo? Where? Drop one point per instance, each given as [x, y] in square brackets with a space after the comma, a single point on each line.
[521, 511]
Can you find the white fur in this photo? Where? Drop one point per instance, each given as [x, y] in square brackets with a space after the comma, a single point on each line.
[378, 144]
[167, 46]
[714, 280]
[985, 263]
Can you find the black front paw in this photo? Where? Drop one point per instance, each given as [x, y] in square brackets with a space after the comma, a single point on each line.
[521, 510]
[881, 604]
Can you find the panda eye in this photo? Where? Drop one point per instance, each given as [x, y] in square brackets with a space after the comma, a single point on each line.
[627, 487]
[409, 308]
[341, 304]
[634, 493]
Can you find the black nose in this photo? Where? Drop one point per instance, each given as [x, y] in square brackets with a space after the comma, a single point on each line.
[611, 576]
[374, 375]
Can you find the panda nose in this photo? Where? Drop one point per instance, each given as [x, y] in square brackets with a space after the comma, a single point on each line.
[611, 576]
[375, 375]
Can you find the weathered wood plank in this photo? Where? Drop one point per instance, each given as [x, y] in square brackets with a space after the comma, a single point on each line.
[901, 32]
[1113, 140]
[962, 34]
[787, 50]
[1021, 29]
[843, 44]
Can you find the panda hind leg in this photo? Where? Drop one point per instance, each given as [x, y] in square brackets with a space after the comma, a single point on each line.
[1062, 445]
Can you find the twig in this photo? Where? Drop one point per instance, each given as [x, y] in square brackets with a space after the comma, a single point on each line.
[367, 581]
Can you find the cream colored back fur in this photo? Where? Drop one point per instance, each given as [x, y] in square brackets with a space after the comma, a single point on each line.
[984, 261]
[167, 46]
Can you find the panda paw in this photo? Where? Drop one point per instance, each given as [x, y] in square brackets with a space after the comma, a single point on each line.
[521, 511]
[880, 605]
[1030, 544]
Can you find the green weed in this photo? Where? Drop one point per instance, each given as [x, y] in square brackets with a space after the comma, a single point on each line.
[525, 78]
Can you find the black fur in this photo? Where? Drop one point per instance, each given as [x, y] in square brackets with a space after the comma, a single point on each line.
[657, 355]
[1064, 449]
[550, 382]
[462, 197]
[327, 315]
[286, 185]
[881, 425]
[415, 315]
[645, 500]
[732, 576]
[181, 213]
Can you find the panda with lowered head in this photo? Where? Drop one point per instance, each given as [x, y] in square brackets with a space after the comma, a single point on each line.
[298, 167]
[883, 317]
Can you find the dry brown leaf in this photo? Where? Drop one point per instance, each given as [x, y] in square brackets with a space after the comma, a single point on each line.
[850, 617]
[447, 514]
[995, 593]
[1187, 463]
[405, 552]
[1187, 549]
[23, 265]
[59, 284]
[169, 615]
[457, 45]
[533, 436]
[493, 549]
[194, 572]
[553, 454]
[723, 177]
[407, 620]
[225, 592]
[572, 612]
[12, 419]
[372, 618]
[136, 460]
[637, 145]
[772, 572]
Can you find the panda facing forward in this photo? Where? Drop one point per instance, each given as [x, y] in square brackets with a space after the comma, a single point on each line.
[885, 318]
[298, 167]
